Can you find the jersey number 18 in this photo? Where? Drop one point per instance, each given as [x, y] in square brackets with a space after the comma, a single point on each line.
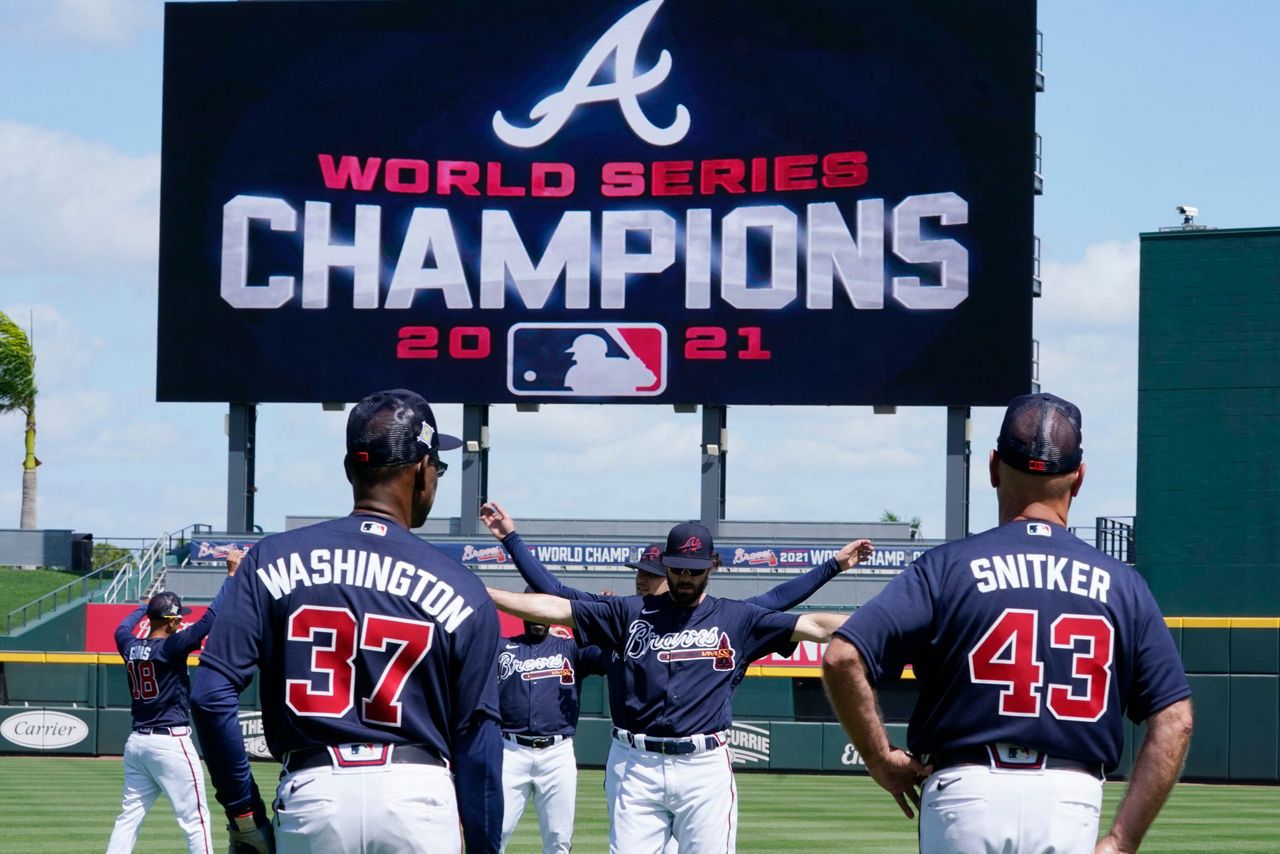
[1006, 655]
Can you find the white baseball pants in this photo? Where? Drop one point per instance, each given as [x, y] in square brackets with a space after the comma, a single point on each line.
[550, 775]
[656, 799]
[973, 808]
[162, 763]
[384, 809]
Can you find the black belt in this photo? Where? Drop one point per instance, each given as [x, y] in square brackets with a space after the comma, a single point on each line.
[322, 757]
[984, 755]
[537, 742]
[163, 730]
[668, 746]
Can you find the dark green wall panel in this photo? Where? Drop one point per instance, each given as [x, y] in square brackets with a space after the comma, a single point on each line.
[1255, 651]
[1255, 704]
[114, 726]
[764, 698]
[1210, 743]
[794, 746]
[591, 743]
[49, 684]
[1206, 650]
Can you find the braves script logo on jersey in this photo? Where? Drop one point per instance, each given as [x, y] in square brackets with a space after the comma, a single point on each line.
[587, 359]
[547, 667]
[689, 645]
[621, 42]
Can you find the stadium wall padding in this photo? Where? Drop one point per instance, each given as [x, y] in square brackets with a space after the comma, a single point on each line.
[1233, 665]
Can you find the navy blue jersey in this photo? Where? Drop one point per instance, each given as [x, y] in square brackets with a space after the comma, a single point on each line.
[157, 669]
[678, 666]
[1024, 634]
[362, 632]
[539, 578]
[540, 684]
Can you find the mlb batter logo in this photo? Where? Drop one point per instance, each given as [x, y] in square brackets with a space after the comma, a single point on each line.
[587, 359]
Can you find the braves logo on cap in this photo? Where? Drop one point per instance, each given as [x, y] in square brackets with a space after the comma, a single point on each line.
[652, 553]
[693, 544]
[587, 359]
[427, 435]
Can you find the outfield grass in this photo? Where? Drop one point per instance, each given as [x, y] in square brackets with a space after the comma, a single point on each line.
[54, 805]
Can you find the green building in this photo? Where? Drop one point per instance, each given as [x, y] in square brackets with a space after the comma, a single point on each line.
[1207, 532]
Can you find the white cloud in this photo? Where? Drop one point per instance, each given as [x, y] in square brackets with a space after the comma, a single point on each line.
[90, 23]
[63, 352]
[1098, 291]
[76, 207]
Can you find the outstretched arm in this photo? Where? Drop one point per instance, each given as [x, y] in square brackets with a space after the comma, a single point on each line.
[844, 675]
[817, 627]
[534, 607]
[791, 593]
[537, 576]
[1156, 770]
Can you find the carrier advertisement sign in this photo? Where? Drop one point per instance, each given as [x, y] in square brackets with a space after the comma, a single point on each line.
[751, 202]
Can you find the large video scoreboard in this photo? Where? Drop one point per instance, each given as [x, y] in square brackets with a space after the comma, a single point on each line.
[752, 202]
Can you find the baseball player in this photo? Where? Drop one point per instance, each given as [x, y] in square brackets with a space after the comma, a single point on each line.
[680, 656]
[539, 694]
[158, 755]
[376, 653]
[1029, 646]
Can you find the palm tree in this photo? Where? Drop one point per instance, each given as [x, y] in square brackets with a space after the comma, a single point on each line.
[890, 516]
[18, 392]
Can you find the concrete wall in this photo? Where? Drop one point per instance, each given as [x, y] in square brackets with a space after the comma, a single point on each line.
[43, 548]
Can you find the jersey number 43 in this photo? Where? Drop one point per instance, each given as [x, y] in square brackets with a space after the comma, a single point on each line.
[1006, 655]
[335, 661]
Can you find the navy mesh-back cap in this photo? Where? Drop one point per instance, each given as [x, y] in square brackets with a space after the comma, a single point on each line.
[165, 605]
[393, 428]
[1041, 435]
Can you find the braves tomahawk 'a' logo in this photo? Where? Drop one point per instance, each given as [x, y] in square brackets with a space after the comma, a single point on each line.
[693, 544]
[652, 553]
[547, 667]
[688, 645]
[622, 42]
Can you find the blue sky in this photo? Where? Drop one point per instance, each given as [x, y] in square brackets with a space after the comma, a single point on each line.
[1149, 105]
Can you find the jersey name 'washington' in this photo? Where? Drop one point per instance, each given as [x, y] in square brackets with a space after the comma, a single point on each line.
[372, 571]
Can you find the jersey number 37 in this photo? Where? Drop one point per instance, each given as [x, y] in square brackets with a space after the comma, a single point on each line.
[1006, 655]
[335, 661]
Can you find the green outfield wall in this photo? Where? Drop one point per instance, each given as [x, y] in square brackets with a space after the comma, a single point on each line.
[78, 703]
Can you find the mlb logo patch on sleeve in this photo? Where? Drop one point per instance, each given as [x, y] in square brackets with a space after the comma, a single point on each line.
[587, 360]
[376, 528]
[1039, 529]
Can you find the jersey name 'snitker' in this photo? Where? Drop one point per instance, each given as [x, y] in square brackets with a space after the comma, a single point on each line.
[1023, 634]
[540, 684]
[678, 666]
[157, 669]
[364, 632]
